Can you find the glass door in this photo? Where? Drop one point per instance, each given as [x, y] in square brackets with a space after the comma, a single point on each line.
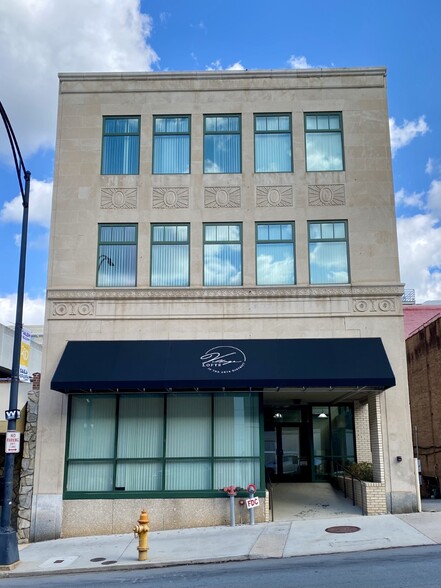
[286, 456]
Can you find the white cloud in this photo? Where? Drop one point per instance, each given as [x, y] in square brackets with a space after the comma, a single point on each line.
[40, 38]
[433, 166]
[299, 62]
[434, 198]
[217, 66]
[40, 201]
[413, 200]
[419, 242]
[33, 310]
[400, 136]
[236, 66]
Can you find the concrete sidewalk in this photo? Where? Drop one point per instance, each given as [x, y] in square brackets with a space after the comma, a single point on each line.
[217, 544]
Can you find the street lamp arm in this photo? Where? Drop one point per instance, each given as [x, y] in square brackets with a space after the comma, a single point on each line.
[18, 159]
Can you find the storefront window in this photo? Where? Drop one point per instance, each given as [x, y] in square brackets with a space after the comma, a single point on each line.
[162, 443]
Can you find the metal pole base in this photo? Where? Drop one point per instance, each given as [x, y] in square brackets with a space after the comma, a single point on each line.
[8, 547]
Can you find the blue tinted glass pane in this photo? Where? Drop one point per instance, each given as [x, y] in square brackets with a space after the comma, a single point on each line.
[234, 233]
[158, 233]
[273, 152]
[160, 125]
[311, 122]
[116, 265]
[284, 123]
[286, 231]
[130, 234]
[272, 123]
[182, 123]
[322, 122]
[262, 232]
[339, 230]
[222, 233]
[260, 123]
[210, 123]
[324, 152]
[171, 154]
[182, 233]
[170, 232]
[222, 154]
[105, 234]
[275, 264]
[274, 232]
[222, 124]
[222, 265]
[334, 121]
[170, 265]
[327, 231]
[328, 263]
[120, 154]
[171, 125]
[210, 233]
[315, 231]
[233, 123]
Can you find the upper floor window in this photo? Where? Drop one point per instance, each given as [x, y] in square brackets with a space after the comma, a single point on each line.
[223, 254]
[171, 145]
[117, 253]
[275, 254]
[222, 144]
[170, 255]
[120, 152]
[324, 142]
[272, 143]
[328, 252]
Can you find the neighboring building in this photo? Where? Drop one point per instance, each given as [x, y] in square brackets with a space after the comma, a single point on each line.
[423, 345]
[34, 365]
[224, 299]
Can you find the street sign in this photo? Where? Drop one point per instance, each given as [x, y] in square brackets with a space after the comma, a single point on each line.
[11, 415]
[12, 442]
[252, 502]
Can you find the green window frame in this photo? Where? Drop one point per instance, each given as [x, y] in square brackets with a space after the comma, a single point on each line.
[272, 143]
[275, 254]
[171, 144]
[117, 255]
[170, 255]
[222, 144]
[222, 254]
[328, 252]
[324, 141]
[123, 445]
[120, 145]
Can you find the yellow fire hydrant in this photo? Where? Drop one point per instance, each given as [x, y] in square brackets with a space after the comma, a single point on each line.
[142, 529]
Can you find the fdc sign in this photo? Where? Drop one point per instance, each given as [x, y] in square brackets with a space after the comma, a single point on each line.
[252, 502]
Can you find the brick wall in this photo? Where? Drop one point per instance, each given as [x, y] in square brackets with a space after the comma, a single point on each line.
[424, 373]
[362, 434]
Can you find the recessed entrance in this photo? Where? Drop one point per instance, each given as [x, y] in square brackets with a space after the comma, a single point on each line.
[287, 454]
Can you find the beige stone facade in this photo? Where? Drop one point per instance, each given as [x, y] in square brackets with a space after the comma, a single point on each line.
[361, 195]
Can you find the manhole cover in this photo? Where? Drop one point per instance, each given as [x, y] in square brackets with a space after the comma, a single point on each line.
[108, 562]
[98, 559]
[342, 529]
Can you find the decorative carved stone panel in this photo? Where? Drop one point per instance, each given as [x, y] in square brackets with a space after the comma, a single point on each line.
[73, 309]
[374, 305]
[328, 195]
[274, 196]
[119, 197]
[222, 197]
[171, 197]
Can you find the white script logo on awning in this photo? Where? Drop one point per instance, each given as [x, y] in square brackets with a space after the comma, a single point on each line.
[223, 359]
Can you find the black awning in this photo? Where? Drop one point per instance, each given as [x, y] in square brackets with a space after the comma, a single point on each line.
[229, 364]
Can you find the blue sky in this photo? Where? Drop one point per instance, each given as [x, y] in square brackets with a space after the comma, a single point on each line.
[39, 38]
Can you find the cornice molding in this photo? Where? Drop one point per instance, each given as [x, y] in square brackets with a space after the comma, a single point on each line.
[97, 294]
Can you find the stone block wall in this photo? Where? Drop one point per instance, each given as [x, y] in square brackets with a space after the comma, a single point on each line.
[26, 478]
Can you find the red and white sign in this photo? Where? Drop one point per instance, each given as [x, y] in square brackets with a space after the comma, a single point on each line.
[252, 502]
[12, 442]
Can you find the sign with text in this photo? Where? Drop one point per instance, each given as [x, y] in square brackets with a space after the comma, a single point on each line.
[252, 502]
[12, 442]
[24, 355]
